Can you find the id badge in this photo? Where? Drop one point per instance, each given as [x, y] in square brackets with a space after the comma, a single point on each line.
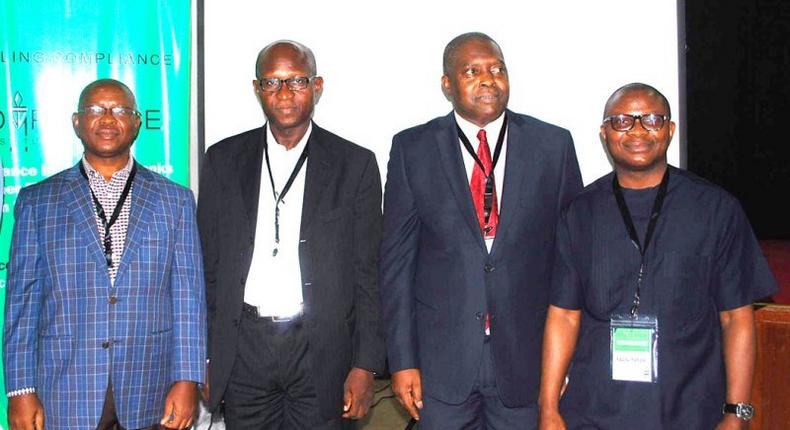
[634, 348]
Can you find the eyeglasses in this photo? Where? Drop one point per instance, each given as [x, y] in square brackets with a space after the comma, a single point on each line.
[118, 112]
[624, 122]
[297, 83]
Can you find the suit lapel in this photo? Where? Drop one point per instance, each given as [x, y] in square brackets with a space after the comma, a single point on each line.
[319, 162]
[522, 169]
[81, 210]
[141, 211]
[453, 166]
[251, 176]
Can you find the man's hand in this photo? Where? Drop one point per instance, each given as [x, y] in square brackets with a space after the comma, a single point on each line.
[406, 384]
[180, 405]
[731, 422]
[551, 420]
[25, 413]
[357, 393]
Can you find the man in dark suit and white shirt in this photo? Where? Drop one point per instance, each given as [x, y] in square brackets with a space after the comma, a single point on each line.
[466, 252]
[290, 221]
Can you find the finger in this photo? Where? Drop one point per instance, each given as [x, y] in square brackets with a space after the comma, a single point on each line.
[167, 417]
[348, 399]
[407, 401]
[38, 420]
[416, 390]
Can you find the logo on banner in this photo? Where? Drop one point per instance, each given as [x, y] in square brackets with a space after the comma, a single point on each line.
[22, 116]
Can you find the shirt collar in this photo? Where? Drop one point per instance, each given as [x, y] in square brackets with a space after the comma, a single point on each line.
[470, 130]
[296, 149]
[122, 174]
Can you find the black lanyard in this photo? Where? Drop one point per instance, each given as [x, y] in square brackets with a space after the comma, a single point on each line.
[488, 194]
[651, 227]
[279, 198]
[115, 213]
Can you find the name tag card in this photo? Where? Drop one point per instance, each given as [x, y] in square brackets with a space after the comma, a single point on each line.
[634, 348]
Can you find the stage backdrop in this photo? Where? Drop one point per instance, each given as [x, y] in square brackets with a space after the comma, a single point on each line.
[382, 62]
[49, 50]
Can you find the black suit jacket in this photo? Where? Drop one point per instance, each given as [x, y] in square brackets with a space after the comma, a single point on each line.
[437, 277]
[338, 254]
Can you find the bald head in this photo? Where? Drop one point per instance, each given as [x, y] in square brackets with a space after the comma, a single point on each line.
[451, 50]
[104, 83]
[295, 50]
[635, 87]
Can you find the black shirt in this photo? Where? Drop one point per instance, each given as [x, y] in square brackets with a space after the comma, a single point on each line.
[703, 259]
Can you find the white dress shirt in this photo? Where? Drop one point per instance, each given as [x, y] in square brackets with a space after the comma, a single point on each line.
[492, 129]
[274, 283]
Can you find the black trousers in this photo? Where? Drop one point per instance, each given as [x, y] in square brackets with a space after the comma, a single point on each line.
[271, 385]
[109, 417]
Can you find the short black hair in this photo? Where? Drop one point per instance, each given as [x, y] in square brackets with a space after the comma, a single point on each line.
[451, 50]
[306, 52]
[632, 88]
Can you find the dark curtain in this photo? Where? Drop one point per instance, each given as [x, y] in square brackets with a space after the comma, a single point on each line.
[737, 57]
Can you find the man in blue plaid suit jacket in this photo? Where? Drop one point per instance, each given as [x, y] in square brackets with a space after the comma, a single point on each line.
[105, 309]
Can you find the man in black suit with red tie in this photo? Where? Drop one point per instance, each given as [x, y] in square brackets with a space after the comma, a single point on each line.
[470, 209]
[290, 221]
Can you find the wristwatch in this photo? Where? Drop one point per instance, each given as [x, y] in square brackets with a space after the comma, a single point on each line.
[744, 411]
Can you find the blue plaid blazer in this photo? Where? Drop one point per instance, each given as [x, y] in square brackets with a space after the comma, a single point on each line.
[63, 335]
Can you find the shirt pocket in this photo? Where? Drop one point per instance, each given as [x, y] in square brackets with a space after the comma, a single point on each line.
[688, 276]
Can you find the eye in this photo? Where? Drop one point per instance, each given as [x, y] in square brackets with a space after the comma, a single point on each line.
[120, 111]
[300, 81]
[498, 70]
[94, 110]
[270, 83]
[470, 72]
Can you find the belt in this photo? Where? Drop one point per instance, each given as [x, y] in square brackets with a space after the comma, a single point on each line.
[253, 311]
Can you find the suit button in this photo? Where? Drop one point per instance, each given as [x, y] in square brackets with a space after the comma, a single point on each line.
[105, 344]
[489, 268]
[235, 323]
[479, 315]
[113, 300]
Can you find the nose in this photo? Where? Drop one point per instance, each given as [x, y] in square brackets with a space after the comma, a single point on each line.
[107, 116]
[638, 129]
[284, 92]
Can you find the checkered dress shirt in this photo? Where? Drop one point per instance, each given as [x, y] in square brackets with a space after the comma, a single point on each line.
[108, 194]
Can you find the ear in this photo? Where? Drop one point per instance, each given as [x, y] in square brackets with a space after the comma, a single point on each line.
[75, 123]
[447, 89]
[602, 134]
[671, 129]
[318, 88]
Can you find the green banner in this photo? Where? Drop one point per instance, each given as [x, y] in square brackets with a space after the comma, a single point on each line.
[49, 51]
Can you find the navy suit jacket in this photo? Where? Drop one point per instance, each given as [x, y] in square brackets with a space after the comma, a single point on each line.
[437, 277]
[63, 335]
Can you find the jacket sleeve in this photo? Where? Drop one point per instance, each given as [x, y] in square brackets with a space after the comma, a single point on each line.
[189, 303]
[23, 298]
[207, 218]
[399, 264]
[368, 339]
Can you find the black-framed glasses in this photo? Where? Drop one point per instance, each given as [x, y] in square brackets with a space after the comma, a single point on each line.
[118, 112]
[625, 122]
[296, 83]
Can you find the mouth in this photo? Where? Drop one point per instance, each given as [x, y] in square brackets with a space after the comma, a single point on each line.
[285, 108]
[488, 97]
[107, 133]
[638, 146]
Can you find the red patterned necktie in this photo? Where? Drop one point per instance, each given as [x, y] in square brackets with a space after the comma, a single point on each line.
[478, 187]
